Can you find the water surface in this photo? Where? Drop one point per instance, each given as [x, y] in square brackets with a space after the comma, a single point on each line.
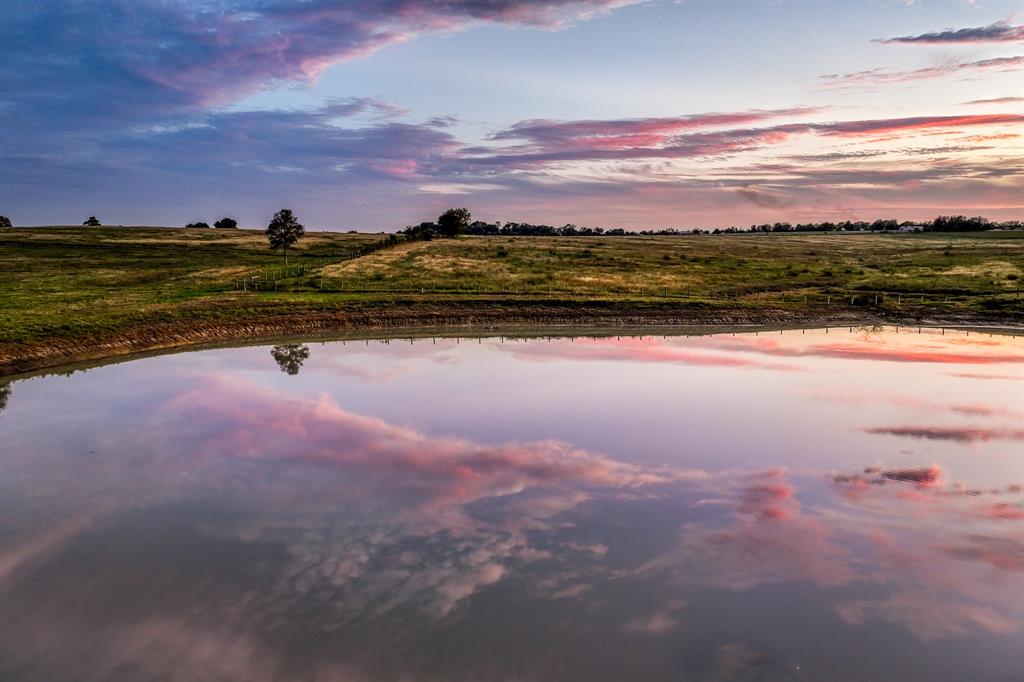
[821, 505]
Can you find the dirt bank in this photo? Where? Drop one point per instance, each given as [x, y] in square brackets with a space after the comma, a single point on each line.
[18, 358]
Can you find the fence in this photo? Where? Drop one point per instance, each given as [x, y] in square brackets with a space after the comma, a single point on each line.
[268, 278]
[818, 297]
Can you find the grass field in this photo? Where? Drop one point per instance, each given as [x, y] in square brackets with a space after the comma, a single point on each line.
[703, 266]
[81, 284]
[85, 281]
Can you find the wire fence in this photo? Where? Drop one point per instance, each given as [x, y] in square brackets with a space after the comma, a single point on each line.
[269, 278]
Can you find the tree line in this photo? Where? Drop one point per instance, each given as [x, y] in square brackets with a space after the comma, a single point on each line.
[284, 230]
[457, 221]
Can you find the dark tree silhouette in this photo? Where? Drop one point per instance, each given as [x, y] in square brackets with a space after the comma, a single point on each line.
[284, 230]
[453, 221]
[5, 221]
[199, 224]
[93, 221]
[5, 394]
[226, 223]
[290, 357]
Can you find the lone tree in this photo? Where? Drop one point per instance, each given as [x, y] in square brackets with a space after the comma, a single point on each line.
[290, 357]
[93, 221]
[199, 224]
[453, 221]
[5, 221]
[226, 223]
[284, 230]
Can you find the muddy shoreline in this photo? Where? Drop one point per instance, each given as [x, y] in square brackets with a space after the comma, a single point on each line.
[25, 358]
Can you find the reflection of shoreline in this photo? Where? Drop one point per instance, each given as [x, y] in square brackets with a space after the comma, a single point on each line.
[32, 359]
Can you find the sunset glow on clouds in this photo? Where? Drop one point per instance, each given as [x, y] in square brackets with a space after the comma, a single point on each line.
[374, 114]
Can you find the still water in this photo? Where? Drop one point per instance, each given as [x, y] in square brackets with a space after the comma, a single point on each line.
[833, 506]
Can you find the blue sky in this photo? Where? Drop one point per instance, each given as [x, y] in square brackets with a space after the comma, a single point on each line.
[372, 114]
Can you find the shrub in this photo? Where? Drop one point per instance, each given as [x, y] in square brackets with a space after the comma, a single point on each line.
[225, 224]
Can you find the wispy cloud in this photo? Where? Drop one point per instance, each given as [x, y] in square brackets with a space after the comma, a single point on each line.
[949, 433]
[999, 32]
[875, 77]
[995, 100]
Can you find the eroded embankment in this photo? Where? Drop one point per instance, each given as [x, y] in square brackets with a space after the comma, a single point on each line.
[16, 358]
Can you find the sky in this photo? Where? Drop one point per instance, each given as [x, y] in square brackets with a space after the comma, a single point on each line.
[375, 114]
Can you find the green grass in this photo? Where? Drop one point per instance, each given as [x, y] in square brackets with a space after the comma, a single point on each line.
[86, 283]
[67, 281]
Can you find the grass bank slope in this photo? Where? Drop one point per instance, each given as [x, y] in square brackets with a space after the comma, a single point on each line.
[76, 293]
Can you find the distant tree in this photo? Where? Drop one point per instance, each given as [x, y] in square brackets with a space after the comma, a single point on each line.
[453, 221]
[93, 221]
[958, 223]
[226, 223]
[284, 230]
[5, 221]
[290, 357]
[199, 224]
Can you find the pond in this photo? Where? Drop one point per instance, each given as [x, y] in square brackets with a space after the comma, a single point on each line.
[840, 504]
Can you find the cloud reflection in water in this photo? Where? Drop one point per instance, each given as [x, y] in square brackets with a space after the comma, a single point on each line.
[261, 533]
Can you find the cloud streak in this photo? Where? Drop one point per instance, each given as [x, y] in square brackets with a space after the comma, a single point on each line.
[879, 76]
[998, 32]
[952, 434]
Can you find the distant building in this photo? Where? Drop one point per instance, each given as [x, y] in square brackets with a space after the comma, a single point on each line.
[911, 227]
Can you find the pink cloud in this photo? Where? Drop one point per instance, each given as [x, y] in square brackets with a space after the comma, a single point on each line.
[769, 540]
[929, 618]
[875, 349]
[241, 421]
[1004, 510]
[848, 397]
[645, 349]
[546, 142]
[627, 133]
[770, 496]
[949, 433]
